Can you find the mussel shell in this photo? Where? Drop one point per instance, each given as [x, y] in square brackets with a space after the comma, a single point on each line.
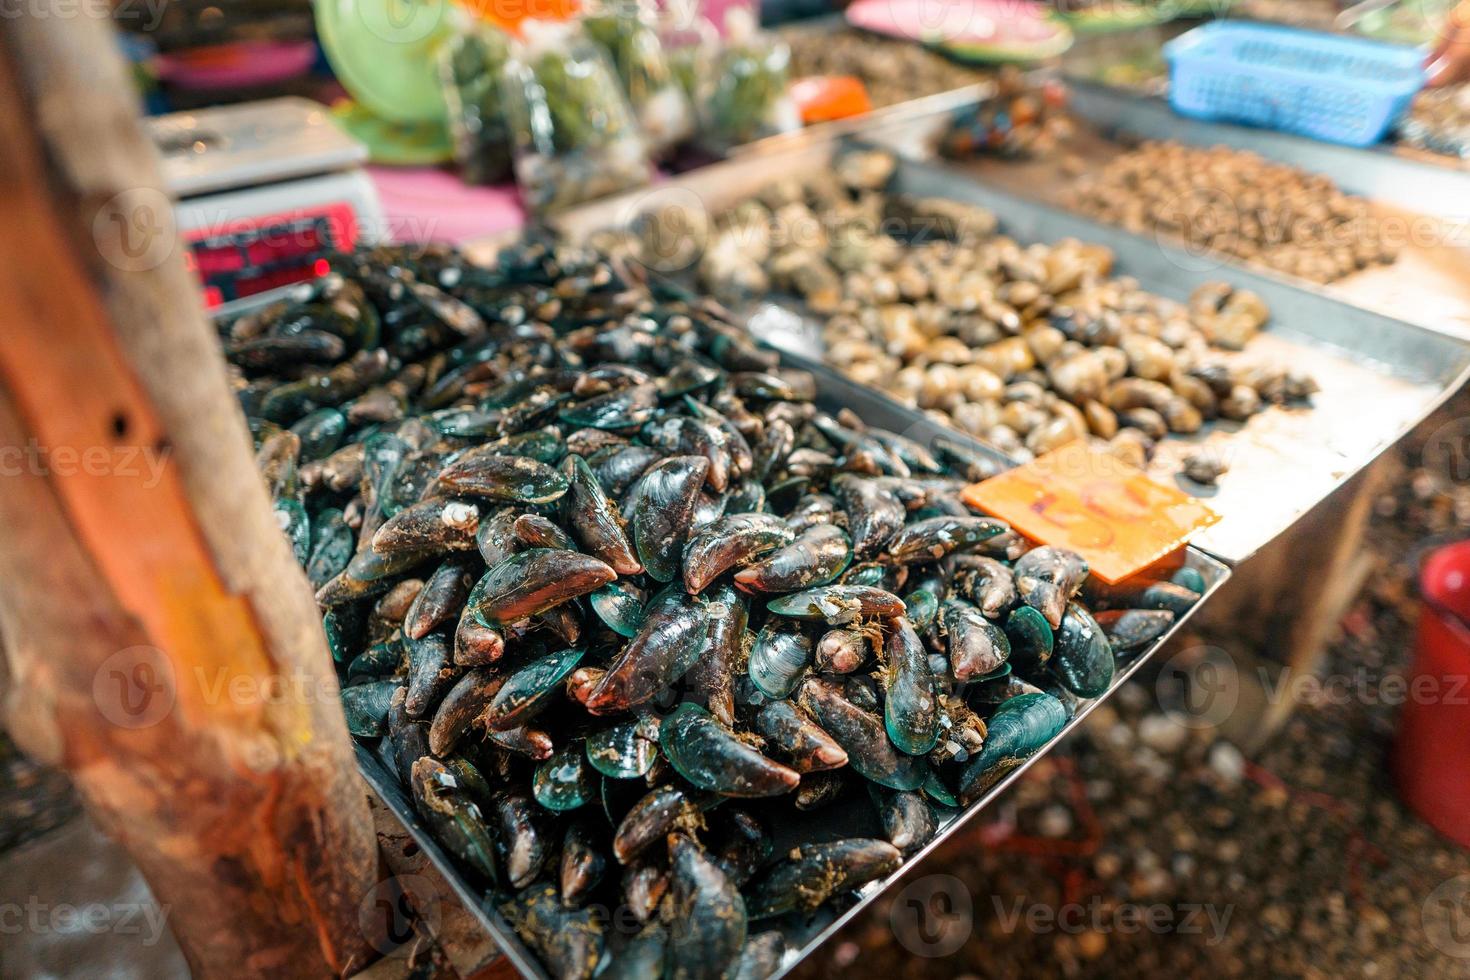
[625, 750]
[873, 513]
[671, 638]
[663, 512]
[1082, 658]
[430, 525]
[815, 872]
[620, 605]
[455, 819]
[442, 596]
[710, 680]
[712, 759]
[622, 410]
[976, 646]
[987, 583]
[583, 863]
[522, 840]
[1017, 729]
[760, 958]
[1047, 578]
[593, 520]
[679, 436]
[838, 604]
[862, 736]
[908, 821]
[796, 738]
[569, 941]
[1130, 630]
[564, 781]
[921, 607]
[641, 957]
[461, 707]
[1189, 578]
[816, 557]
[728, 542]
[528, 690]
[519, 479]
[911, 707]
[533, 581]
[935, 537]
[779, 658]
[431, 672]
[842, 650]
[1030, 636]
[647, 820]
[332, 544]
[706, 913]
[366, 707]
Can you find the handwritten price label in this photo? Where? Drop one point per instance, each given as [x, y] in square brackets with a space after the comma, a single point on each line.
[1096, 505]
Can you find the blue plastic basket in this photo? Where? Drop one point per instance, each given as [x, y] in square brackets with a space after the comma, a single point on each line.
[1337, 89]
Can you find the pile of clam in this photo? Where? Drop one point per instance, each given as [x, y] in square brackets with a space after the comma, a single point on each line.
[892, 71]
[631, 617]
[1025, 347]
[1236, 203]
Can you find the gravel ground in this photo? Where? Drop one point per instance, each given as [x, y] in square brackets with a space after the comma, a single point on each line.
[1152, 848]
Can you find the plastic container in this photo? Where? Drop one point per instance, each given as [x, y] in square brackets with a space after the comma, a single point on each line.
[470, 69]
[1336, 89]
[742, 87]
[1431, 757]
[573, 133]
[656, 96]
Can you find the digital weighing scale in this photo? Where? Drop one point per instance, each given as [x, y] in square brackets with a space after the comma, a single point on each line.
[262, 189]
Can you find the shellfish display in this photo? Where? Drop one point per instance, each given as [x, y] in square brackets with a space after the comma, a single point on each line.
[1026, 347]
[618, 602]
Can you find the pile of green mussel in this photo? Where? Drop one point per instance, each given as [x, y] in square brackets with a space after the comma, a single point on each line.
[636, 623]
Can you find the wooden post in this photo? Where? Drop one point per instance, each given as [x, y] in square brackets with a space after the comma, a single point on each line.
[162, 645]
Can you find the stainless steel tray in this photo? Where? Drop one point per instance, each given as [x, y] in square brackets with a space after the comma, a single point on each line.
[1379, 376]
[833, 392]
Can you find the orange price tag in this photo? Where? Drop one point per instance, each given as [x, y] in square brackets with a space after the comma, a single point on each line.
[1097, 505]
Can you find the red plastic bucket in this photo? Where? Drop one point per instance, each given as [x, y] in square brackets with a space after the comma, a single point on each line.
[1431, 758]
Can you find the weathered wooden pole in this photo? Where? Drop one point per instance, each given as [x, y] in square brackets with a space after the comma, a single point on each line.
[162, 645]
